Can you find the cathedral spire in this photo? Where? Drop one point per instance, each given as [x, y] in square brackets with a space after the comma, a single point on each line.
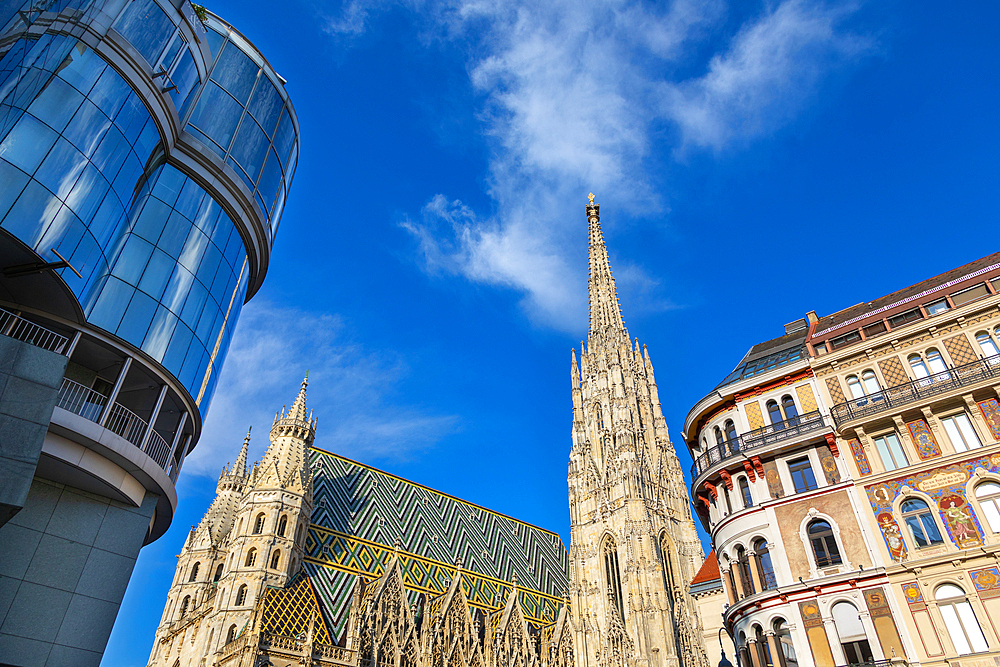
[240, 468]
[605, 313]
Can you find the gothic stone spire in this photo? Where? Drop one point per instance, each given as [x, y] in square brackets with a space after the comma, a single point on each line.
[605, 312]
[286, 462]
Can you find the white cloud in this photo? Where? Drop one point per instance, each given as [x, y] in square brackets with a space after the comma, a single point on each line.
[576, 93]
[349, 390]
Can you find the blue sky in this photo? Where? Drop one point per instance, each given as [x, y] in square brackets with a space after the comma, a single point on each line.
[754, 161]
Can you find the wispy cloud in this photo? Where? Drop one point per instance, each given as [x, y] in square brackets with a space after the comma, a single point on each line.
[349, 389]
[576, 94]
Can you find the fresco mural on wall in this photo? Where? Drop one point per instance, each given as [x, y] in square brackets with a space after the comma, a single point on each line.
[923, 440]
[946, 486]
[991, 413]
[859, 456]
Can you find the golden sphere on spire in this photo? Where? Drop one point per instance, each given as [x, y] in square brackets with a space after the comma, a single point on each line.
[591, 196]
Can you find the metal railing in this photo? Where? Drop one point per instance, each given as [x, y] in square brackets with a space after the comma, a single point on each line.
[782, 430]
[122, 421]
[917, 390]
[81, 400]
[716, 454]
[768, 578]
[89, 404]
[21, 329]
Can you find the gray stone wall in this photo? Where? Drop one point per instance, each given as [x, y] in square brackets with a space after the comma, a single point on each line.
[29, 385]
[67, 558]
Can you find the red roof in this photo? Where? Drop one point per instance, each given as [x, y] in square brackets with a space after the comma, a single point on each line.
[709, 570]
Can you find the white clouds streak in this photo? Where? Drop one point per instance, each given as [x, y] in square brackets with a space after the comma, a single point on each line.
[575, 95]
[349, 388]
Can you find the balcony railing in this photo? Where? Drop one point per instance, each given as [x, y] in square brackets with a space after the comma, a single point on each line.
[89, 404]
[917, 390]
[789, 428]
[768, 578]
[21, 329]
[716, 454]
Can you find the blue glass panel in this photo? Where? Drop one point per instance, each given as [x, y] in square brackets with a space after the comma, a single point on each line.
[31, 213]
[127, 178]
[266, 105]
[177, 349]
[87, 128]
[234, 250]
[193, 368]
[215, 41]
[168, 186]
[250, 148]
[284, 137]
[177, 289]
[207, 216]
[88, 194]
[175, 233]
[146, 27]
[133, 259]
[235, 72]
[81, 68]
[160, 331]
[148, 139]
[56, 104]
[185, 77]
[189, 200]
[28, 143]
[61, 167]
[206, 322]
[109, 221]
[176, 44]
[111, 153]
[270, 180]
[194, 250]
[110, 93]
[149, 224]
[157, 273]
[209, 144]
[131, 118]
[217, 114]
[242, 174]
[12, 181]
[290, 165]
[110, 306]
[63, 234]
[194, 304]
[87, 260]
[260, 207]
[137, 319]
[279, 205]
[209, 264]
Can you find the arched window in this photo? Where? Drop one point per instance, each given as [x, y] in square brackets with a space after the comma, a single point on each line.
[241, 595]
[184, 605]
[719, 440]
[935, 361]
[275, 559]
[218, 573]
[786, 656]
[282, 525]
[745, 492]
[298, 532]
[917, 516]
[774, 412]
[853, 638]
[258, 524]
[731, 431]
[194, 572]
[987, 344]
[764, 564]
[791, 412]
[744, 650]
[763, 650]
[251, 558]
[960, 619]
[824, 544]
[231, 635]
[669, 578]
[730, 578]
[988, 495]
[871, 382]
[918, 366]
[743, 562]
[613, 576]
[854, 385]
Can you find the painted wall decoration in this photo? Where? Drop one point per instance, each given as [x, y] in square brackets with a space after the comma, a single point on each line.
[755, 419]
[774, 485]
[864, 468]
[946, 486]
[893, 538]
[959, 518]
[991, 413]
[914, 598]
[986, 581]
[836, 392]
[806, 398]
[829, 464]
[923, 440]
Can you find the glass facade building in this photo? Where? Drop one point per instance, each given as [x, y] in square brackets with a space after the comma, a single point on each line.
[145, 160]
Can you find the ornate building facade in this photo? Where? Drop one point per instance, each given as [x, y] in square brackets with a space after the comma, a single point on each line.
[847, 471]
[308, 558]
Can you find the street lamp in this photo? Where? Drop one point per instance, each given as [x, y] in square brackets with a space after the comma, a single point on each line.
[724, 662]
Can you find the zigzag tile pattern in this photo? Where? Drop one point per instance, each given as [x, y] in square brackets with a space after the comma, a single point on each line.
[288, 611]
[360, 513]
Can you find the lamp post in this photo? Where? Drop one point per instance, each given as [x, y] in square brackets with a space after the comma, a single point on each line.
[724, 662]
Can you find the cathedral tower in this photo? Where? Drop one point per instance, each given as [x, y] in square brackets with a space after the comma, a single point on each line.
[634, 546]
[251, 538]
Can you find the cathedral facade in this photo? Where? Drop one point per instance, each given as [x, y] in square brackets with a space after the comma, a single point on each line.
[309, 558]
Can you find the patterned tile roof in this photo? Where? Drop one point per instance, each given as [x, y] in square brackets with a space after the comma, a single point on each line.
[362, 515]
[288, 611]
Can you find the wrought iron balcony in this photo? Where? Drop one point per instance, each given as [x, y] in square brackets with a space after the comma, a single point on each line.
[716, 454]
[917, 390]
[789, 428]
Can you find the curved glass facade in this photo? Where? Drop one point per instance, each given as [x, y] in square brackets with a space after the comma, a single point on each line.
[164, 267]
[242, 118]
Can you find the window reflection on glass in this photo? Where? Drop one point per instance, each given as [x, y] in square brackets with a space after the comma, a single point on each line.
[803, 477]
[917, 517]
[146, 27]
[891, 451]
[988, 495]
[961, 432]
